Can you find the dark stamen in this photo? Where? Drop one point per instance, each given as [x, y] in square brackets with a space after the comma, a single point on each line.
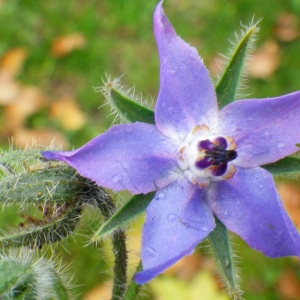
[222, 142]
[216, 155]
[223, 156]
[204, 163]
[220, 170]
[207, 145]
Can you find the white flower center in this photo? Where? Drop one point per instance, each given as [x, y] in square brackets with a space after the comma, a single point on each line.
[204, 157]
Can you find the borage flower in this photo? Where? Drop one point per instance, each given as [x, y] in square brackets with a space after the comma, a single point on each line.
[200, 161]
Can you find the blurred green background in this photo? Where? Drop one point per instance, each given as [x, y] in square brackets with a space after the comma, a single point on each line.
[54, 52]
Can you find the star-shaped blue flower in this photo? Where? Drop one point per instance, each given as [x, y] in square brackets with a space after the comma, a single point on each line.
[201, 161]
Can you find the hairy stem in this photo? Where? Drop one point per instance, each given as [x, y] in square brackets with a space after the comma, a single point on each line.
[134, 288]
[107, 207]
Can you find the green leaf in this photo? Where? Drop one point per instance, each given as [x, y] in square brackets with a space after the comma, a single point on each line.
[219, 241]
[285, 166]
[227, 86]
[135, 206]
[130, 110]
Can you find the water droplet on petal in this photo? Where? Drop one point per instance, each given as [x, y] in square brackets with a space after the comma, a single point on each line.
[268, 136]
[117, 178]
[101, 146]
[280, 145]
[160, 196]
[171, 217]
[203, 228]
[213, 204]
[151, 251]
[225, 212]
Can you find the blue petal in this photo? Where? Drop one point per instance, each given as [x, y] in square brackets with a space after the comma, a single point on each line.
[265, 130]
[187, 97]
[249, 205]
[177, 220]
[134, 157]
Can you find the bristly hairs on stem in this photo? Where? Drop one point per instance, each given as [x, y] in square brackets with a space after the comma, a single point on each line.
[222, 64]
[129, 92]
[93, 194]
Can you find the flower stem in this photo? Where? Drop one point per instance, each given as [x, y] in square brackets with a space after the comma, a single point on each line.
[107, 207]
[120, 268]
[133, 288]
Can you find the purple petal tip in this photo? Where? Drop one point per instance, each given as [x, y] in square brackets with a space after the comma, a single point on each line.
[49, 154]
[141, 278]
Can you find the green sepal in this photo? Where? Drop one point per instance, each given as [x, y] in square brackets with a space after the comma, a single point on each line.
[24, 276]
[135, 206]
[60, 290]
[48, 232]
[228, 83]
[134, 288]
[15, 280]
[219, 241]
[285, 166]
[26, 178]
[130, 110]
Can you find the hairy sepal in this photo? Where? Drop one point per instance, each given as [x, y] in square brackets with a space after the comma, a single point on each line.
[231, 78]
[24, 276]
[284, 167]
[124, 103]
[49, 230]
[27, 178]
[220, 244]
[134, 207]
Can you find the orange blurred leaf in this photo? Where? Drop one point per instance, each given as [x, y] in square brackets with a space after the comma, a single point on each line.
[265, 61]
[186, 267]
[67, 111]
[9, 88]
[290, 195]
[289, 286]
[67, 43]
[287, 28]
[29, 100]
[13, 60]
[44, 137]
